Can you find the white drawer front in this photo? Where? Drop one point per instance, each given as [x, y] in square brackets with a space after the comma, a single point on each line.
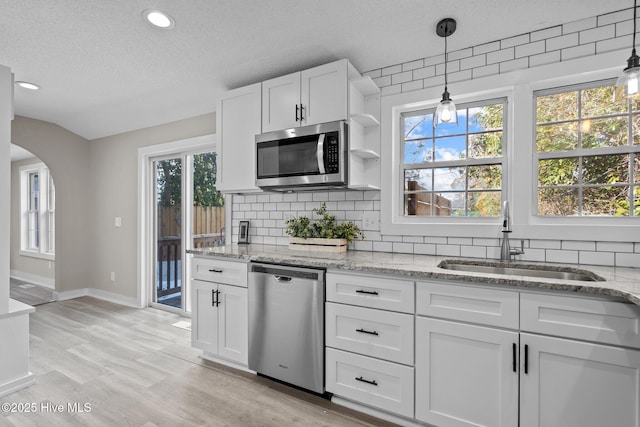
[219, 271]
[606, 322]
[492, 307]
[382, 385]
[375, 333]
[387, 294]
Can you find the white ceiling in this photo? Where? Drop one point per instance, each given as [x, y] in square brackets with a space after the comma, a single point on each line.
[104, 71]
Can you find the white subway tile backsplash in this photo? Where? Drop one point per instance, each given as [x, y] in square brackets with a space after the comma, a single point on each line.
[448, 250]
[578, 246]
[501, 55]
[515, 41]
[567, 257]
[487, 47]
[413, 239]
[596, 258]
[391, 238]
[355, 195]
[562, 42]
[411, 86]
[406, 76]
[546, 33]
[459, 54]
[473, 62]
[424, 249]
[390, 90]
[278, 197]
[583, 24]
[473, 251]
[394, 69]
[383, 246]
[578, 51]
[613, 17]
[433, 60]
[516, 64]
[373, 73]
[530, 49]
[624, 28]
[544, 58]
[613, 44]
[403, 248]
[435, 240]
[614, 247]
[424, 73]
[627, 260]
[433, 81]
[545, 244]
[459, 241]
[595, 34]
[382, 81]
[530, 254]
[485, 71]
[408, 66]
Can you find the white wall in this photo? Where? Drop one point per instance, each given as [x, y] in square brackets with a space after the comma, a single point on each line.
[36, 270]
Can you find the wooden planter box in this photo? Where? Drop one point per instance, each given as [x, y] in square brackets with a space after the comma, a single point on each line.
[319, 245]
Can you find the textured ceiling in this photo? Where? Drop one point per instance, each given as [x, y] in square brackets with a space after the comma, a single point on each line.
[104, 71]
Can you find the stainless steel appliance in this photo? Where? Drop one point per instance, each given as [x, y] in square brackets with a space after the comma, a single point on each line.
[307, 157]
[286, 324]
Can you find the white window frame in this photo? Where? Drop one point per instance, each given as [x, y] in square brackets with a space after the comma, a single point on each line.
[519, 175]
[45, 213]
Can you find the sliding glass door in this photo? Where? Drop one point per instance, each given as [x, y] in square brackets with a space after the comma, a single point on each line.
[189, 213]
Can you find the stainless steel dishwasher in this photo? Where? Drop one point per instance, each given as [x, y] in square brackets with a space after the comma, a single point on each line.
[286, 324]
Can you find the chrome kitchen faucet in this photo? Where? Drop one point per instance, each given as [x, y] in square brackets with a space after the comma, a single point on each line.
[506, 251]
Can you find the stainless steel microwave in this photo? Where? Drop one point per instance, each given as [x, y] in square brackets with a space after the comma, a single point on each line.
[303, 158]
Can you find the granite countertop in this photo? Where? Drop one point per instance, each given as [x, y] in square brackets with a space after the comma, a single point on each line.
[618, 281]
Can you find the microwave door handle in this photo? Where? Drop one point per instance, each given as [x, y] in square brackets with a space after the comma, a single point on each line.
[320, 154]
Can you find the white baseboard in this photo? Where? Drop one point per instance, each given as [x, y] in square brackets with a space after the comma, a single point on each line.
[99, 294]
[15, 385]
[46, 282]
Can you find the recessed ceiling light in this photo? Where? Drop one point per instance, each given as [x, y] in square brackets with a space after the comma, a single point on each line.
[158, 18]
[27, 85]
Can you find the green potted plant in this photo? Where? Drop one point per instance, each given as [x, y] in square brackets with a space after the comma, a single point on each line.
[323, 233]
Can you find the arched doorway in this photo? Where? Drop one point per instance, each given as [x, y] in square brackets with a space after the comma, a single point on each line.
[32, 240]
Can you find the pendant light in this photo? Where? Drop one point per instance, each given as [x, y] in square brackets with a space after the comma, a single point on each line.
[446, 111]
[628, 82]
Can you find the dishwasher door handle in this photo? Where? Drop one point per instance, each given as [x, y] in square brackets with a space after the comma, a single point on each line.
[282, 278]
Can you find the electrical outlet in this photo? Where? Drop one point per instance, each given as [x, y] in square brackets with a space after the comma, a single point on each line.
[113, 276]
[371, 220]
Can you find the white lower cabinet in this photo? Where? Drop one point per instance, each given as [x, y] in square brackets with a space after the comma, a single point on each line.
[466, 375]
[569, 383]
[219, 322]
[383, 385]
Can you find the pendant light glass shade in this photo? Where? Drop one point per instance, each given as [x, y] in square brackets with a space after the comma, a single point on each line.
[628, 84]
[446, 113]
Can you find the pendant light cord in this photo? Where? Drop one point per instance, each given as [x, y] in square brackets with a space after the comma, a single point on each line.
[635, 3]
[445, 52]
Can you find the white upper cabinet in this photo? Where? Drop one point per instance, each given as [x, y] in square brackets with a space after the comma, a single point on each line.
[316, 95]
[238, 119]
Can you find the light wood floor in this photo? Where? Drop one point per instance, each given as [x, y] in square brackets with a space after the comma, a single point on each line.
[30, 294]
[135, 369]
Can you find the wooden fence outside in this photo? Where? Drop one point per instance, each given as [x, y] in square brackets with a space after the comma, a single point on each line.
[207, 220]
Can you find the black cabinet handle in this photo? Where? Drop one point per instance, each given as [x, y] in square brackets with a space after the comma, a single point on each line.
[213, 270]
[364, 331]
[366, 381]
[297, 119]
[213, 297]
[217, 298]
[515, 365]
[301, 116]
[526, 359]
[362, 291]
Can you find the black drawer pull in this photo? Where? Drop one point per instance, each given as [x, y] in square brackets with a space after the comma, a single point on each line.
[526, 359]
[515, 363]
[367, 381]
[364, 331]
[213, 270]
[362, 291]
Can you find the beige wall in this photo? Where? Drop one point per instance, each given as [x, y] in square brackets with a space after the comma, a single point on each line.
[114, 167]
[97, 181]
[67, 157]
[26, 267]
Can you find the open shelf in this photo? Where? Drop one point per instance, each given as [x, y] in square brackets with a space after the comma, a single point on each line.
[364, 153]
[364, 187]
[365, 120]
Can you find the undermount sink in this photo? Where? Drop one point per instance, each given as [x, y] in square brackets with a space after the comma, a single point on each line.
[523, 270]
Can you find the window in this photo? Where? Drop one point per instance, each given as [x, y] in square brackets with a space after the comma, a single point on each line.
[454, 171]
[587, 152]
[38, 211]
